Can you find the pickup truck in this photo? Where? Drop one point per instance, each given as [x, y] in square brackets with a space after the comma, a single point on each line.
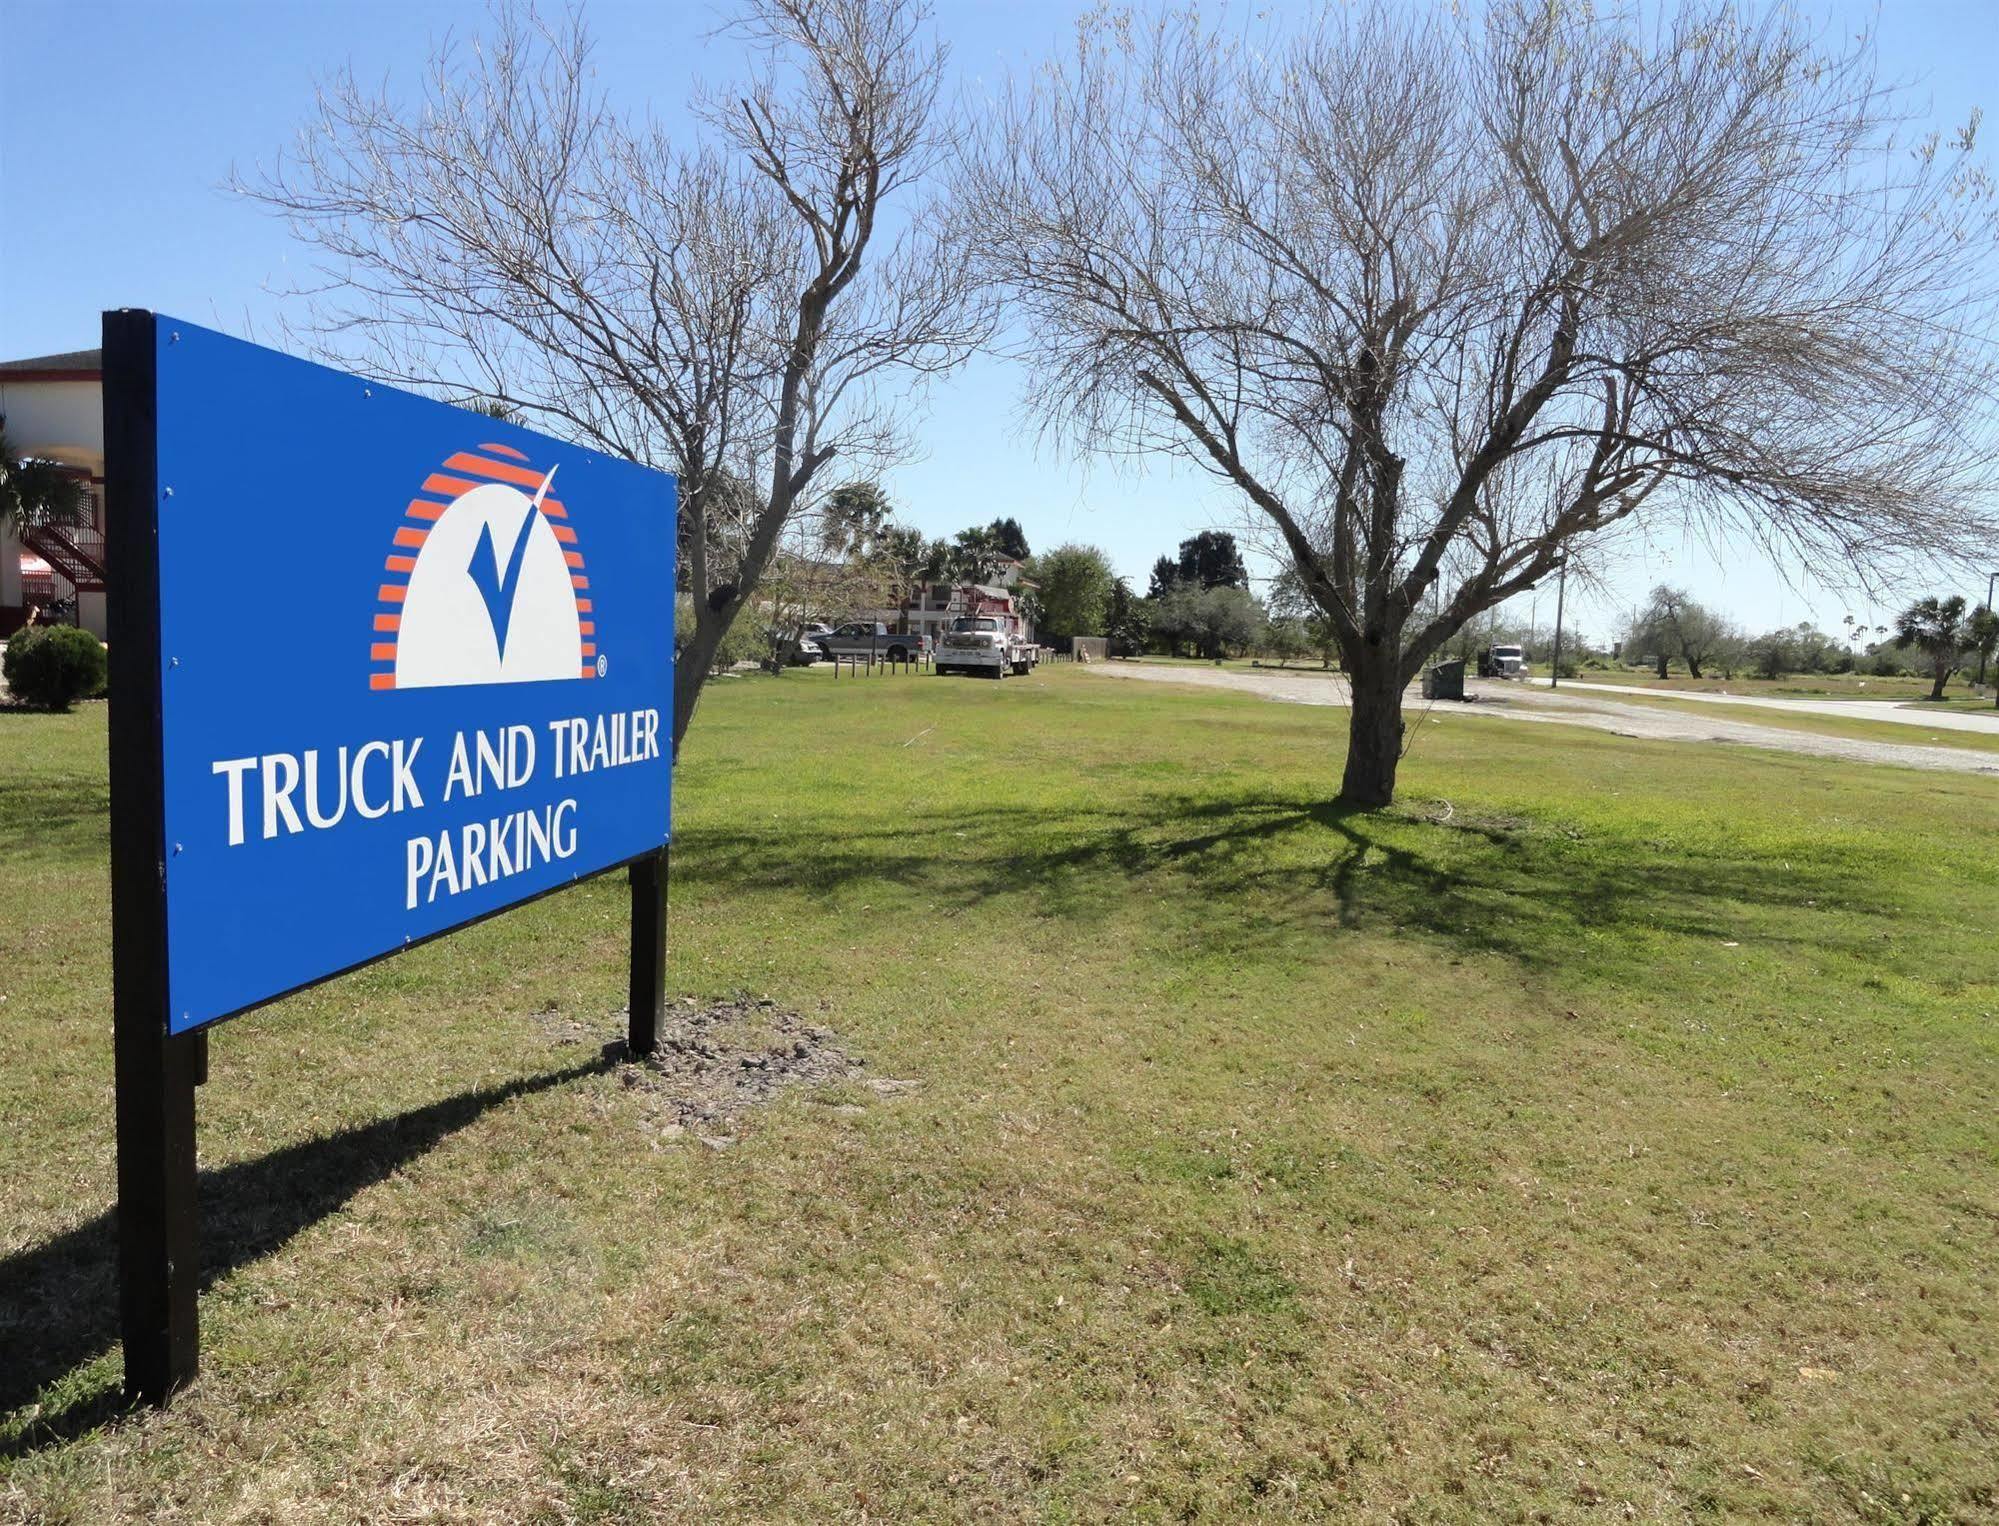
[983, 644]
[859, 638]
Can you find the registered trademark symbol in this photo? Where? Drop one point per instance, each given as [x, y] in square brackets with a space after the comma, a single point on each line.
[603, 664]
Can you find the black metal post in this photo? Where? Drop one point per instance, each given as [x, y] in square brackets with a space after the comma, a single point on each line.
[648, 988]
[158, 1240]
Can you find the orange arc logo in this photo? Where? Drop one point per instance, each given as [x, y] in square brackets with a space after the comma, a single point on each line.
[459, 473]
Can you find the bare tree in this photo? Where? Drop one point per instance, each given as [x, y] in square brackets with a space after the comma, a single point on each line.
[1440, 298]
[1672, 624]
[740, 313]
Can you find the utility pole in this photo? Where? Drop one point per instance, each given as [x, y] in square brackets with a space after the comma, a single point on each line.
[1990, 579]
[1561, 594]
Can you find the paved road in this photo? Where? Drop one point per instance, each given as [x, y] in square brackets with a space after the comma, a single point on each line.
[1514, 701]
[1896, 712]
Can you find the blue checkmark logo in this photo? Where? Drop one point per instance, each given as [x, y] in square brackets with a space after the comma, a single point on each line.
[497, 588]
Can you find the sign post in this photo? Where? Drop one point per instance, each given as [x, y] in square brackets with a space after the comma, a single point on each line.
[155, 1071]
[380, 668]
[648, 993]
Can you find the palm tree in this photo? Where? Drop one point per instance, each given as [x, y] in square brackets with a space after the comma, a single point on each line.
[1937, 627]
[977, 555]
[35, 492]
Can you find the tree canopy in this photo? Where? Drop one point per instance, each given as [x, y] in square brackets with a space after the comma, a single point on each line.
[1439, 295]
[1209, 559]
[1673, 627]
[1076, 587]
[1942, 630]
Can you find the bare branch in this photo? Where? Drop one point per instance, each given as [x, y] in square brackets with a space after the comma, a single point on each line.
[1446, 301]
[733, 312]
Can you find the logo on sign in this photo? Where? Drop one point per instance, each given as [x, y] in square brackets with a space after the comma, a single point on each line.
[484, 583]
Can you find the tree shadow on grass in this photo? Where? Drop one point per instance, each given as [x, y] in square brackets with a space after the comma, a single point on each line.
[1513, 885]
[59, 1299]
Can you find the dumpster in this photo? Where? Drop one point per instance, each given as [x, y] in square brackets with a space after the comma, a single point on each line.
[1444, 680]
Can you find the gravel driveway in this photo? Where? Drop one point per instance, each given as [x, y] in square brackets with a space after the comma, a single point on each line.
[1506, 701]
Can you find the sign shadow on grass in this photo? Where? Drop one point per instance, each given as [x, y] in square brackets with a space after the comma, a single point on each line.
[59, 1299]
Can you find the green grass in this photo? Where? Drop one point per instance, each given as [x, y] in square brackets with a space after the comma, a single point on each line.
[1867, 686]
[1607, 1128]
[1856, 728]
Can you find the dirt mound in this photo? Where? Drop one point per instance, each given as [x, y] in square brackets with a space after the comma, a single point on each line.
[717, 1061]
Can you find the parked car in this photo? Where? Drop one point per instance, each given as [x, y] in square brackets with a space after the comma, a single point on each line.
[861, 638]
[801, 650]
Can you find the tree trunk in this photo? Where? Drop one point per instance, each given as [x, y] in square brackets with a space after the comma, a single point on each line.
[690, 671]
[1374, 734]
[1662, 668]
[1942, 678]
[1693, 668]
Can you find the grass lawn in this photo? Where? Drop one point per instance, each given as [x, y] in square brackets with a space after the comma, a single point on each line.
[1859, 728]
[1958, 695]
[1606, 1132]
[1906, 692]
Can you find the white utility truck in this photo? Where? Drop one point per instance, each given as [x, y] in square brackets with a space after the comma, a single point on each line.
[984, 644]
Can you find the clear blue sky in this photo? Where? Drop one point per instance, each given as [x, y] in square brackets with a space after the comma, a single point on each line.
[119, 121]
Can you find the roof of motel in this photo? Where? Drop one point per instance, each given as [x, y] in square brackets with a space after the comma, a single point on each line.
[78, 362]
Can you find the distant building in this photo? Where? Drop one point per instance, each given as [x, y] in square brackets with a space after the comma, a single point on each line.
[931, 607]
[53, 409]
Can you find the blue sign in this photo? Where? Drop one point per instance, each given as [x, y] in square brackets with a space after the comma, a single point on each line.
[416, 666]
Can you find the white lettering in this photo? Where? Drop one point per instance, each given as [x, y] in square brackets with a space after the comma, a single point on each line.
[486, 852]
[235, 768]
[278, 797]
[520, 756]
[490, 770]
[472, 853]
[444, 869]
[500, 862]
[420, 855]
[458, 778]
[373, 813]
[407, 797]
[313, 813]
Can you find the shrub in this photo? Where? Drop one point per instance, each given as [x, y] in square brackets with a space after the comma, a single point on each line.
[52, 667]
[746, 641]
